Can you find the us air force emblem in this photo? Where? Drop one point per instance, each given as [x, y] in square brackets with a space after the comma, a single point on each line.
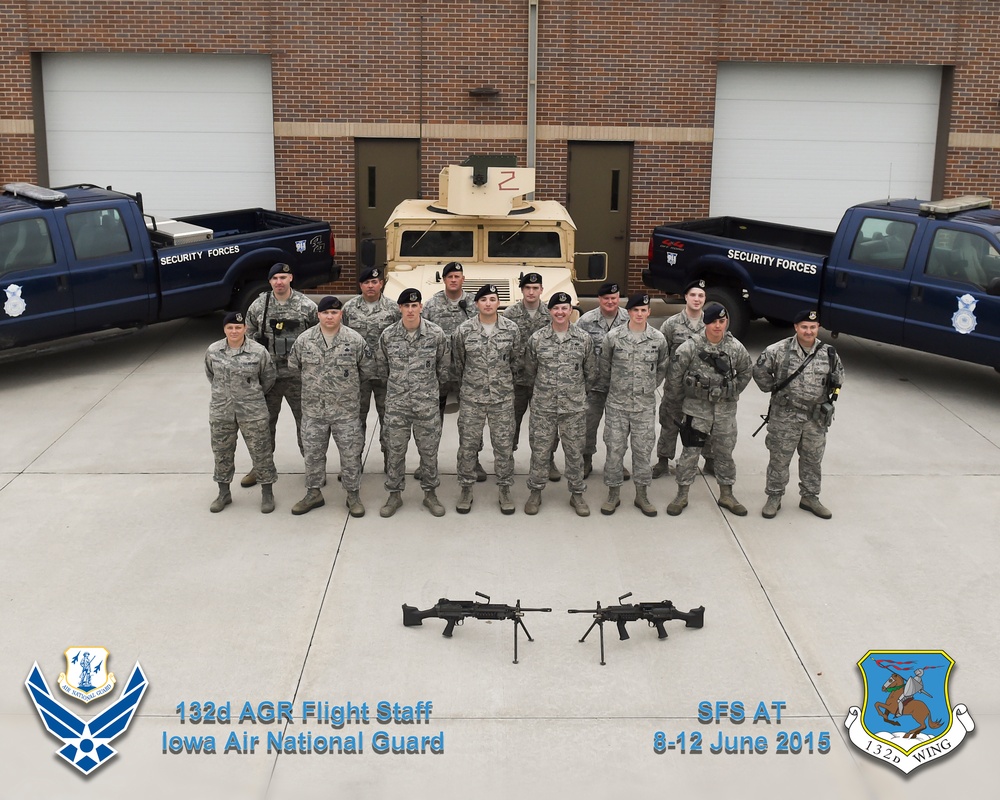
[86, 677]
[963, 320]
[86, 745]
[15, 304]
[907, 719]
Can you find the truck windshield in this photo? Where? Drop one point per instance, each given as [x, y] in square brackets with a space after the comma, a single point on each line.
[523, 245]
[440, 244]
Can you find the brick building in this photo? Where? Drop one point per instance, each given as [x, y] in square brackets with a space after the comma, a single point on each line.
[632, 112]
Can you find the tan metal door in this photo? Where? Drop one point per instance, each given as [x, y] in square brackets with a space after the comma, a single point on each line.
[599, 193]
[387, 172]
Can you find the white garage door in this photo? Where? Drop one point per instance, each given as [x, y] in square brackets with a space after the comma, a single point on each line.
[193, 133]
[799, 143]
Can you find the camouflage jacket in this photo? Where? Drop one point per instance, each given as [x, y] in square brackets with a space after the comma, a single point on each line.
[807, 389]
[705, 379]
[527, 324]
[629, 370]
[561, 371]
[332, 375]
[484, 365]
[414, 369]
[239, 381]
[679, 328]
[370, 320]
[448, 315]
[593, 323]
[284, 324]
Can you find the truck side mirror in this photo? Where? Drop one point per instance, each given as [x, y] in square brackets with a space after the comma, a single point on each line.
[368, 253]
[597, 267]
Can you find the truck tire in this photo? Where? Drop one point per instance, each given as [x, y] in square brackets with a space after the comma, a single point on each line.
[245, 297]
[732, 299]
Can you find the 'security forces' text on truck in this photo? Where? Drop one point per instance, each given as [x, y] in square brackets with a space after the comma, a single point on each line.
[924, 275]
[80, 259]
[482, 220]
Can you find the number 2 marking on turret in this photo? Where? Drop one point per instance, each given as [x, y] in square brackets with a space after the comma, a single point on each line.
[503, 184]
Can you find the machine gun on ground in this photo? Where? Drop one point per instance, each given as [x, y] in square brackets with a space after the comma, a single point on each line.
[454, 613]
[654, 613]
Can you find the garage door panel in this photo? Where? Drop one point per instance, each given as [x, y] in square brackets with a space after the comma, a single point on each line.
[831, 82]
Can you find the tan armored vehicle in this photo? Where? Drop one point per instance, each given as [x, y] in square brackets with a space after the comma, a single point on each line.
[482, 220]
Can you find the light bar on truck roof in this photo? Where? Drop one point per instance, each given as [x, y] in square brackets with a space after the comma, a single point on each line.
[32, 192]
[955, 205]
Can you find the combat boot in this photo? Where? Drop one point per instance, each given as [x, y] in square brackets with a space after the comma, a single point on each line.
[728, 500]
[464, 505]
[770, 509]
[506, 504]
[534, 502]
[810, 502]
[642, 502]
[480, 473]
[313, 499]
[224, 499]
[588, 465]
[418, 474]
[354, 504]
[709, 468]
[432, 504]
[679, 503]
[661, 467]
[248, 480]
[392, 504]
[554, 473]
[626, 474]
[576, 500]
[613, 501]
[266, 498]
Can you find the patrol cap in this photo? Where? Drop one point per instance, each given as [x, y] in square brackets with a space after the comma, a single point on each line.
[698, 284]
[369, 273]
[329, 302]
[715, 311]
[233, 318]
[279, 267]
[410, 296]
[638, 299]
[608, 288]
[558, 298]
[452, 266]
[808, 315]
[529, 277]
[488, 289]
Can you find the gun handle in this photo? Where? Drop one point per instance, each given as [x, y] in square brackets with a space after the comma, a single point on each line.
[622, 633]
[696, 618]
[449, 628]
[411, 616]
[661, 632]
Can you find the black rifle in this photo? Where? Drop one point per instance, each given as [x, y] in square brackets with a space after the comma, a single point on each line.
[454, 612]
[654, 613]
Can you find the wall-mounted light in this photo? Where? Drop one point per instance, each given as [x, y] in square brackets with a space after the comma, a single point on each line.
[484, 91]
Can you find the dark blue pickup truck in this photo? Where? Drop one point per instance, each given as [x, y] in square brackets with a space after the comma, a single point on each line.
[924, 275]
[80, 259]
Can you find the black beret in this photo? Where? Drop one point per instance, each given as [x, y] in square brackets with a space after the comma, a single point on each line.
[530, 277]
[489, 288]
[233, 318]
[638, 299]
[608, 288]
[558, 298]
[329, 302]
[279, 267]
[410, 296]
[806, 316]
[698, 284]
[452, 266]
[369, 274]
[714, 311]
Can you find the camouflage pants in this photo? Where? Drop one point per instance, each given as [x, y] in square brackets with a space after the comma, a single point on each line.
[620, 428]
[544, 430]
[258, 442]
[290, 389]
[522, 397]
[666, 445]
[350, 442]
[595, 410]
[786, 434]
[426, 430]
[472, 418]
[374, 388]
[722, 430]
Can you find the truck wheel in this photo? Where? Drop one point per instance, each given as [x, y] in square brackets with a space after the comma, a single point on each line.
[245, 297]
[739, 313]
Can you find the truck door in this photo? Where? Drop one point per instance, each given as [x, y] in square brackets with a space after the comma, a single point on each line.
[949, 310]
[866, 285]
[35, 288]
[113, 278]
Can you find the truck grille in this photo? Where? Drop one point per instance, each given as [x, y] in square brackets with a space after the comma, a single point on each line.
[472, 285]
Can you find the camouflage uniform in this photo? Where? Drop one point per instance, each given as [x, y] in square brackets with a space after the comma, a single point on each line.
[527, 324]
[694, 388]
[631, 366]
[414, 368]
[677, 330]
[483, 365]
[562, 370]
[448, 315]
[284, 324]
[370, 319]
[331, 378]
[791, 425]
[597, 327]
[239, 381]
